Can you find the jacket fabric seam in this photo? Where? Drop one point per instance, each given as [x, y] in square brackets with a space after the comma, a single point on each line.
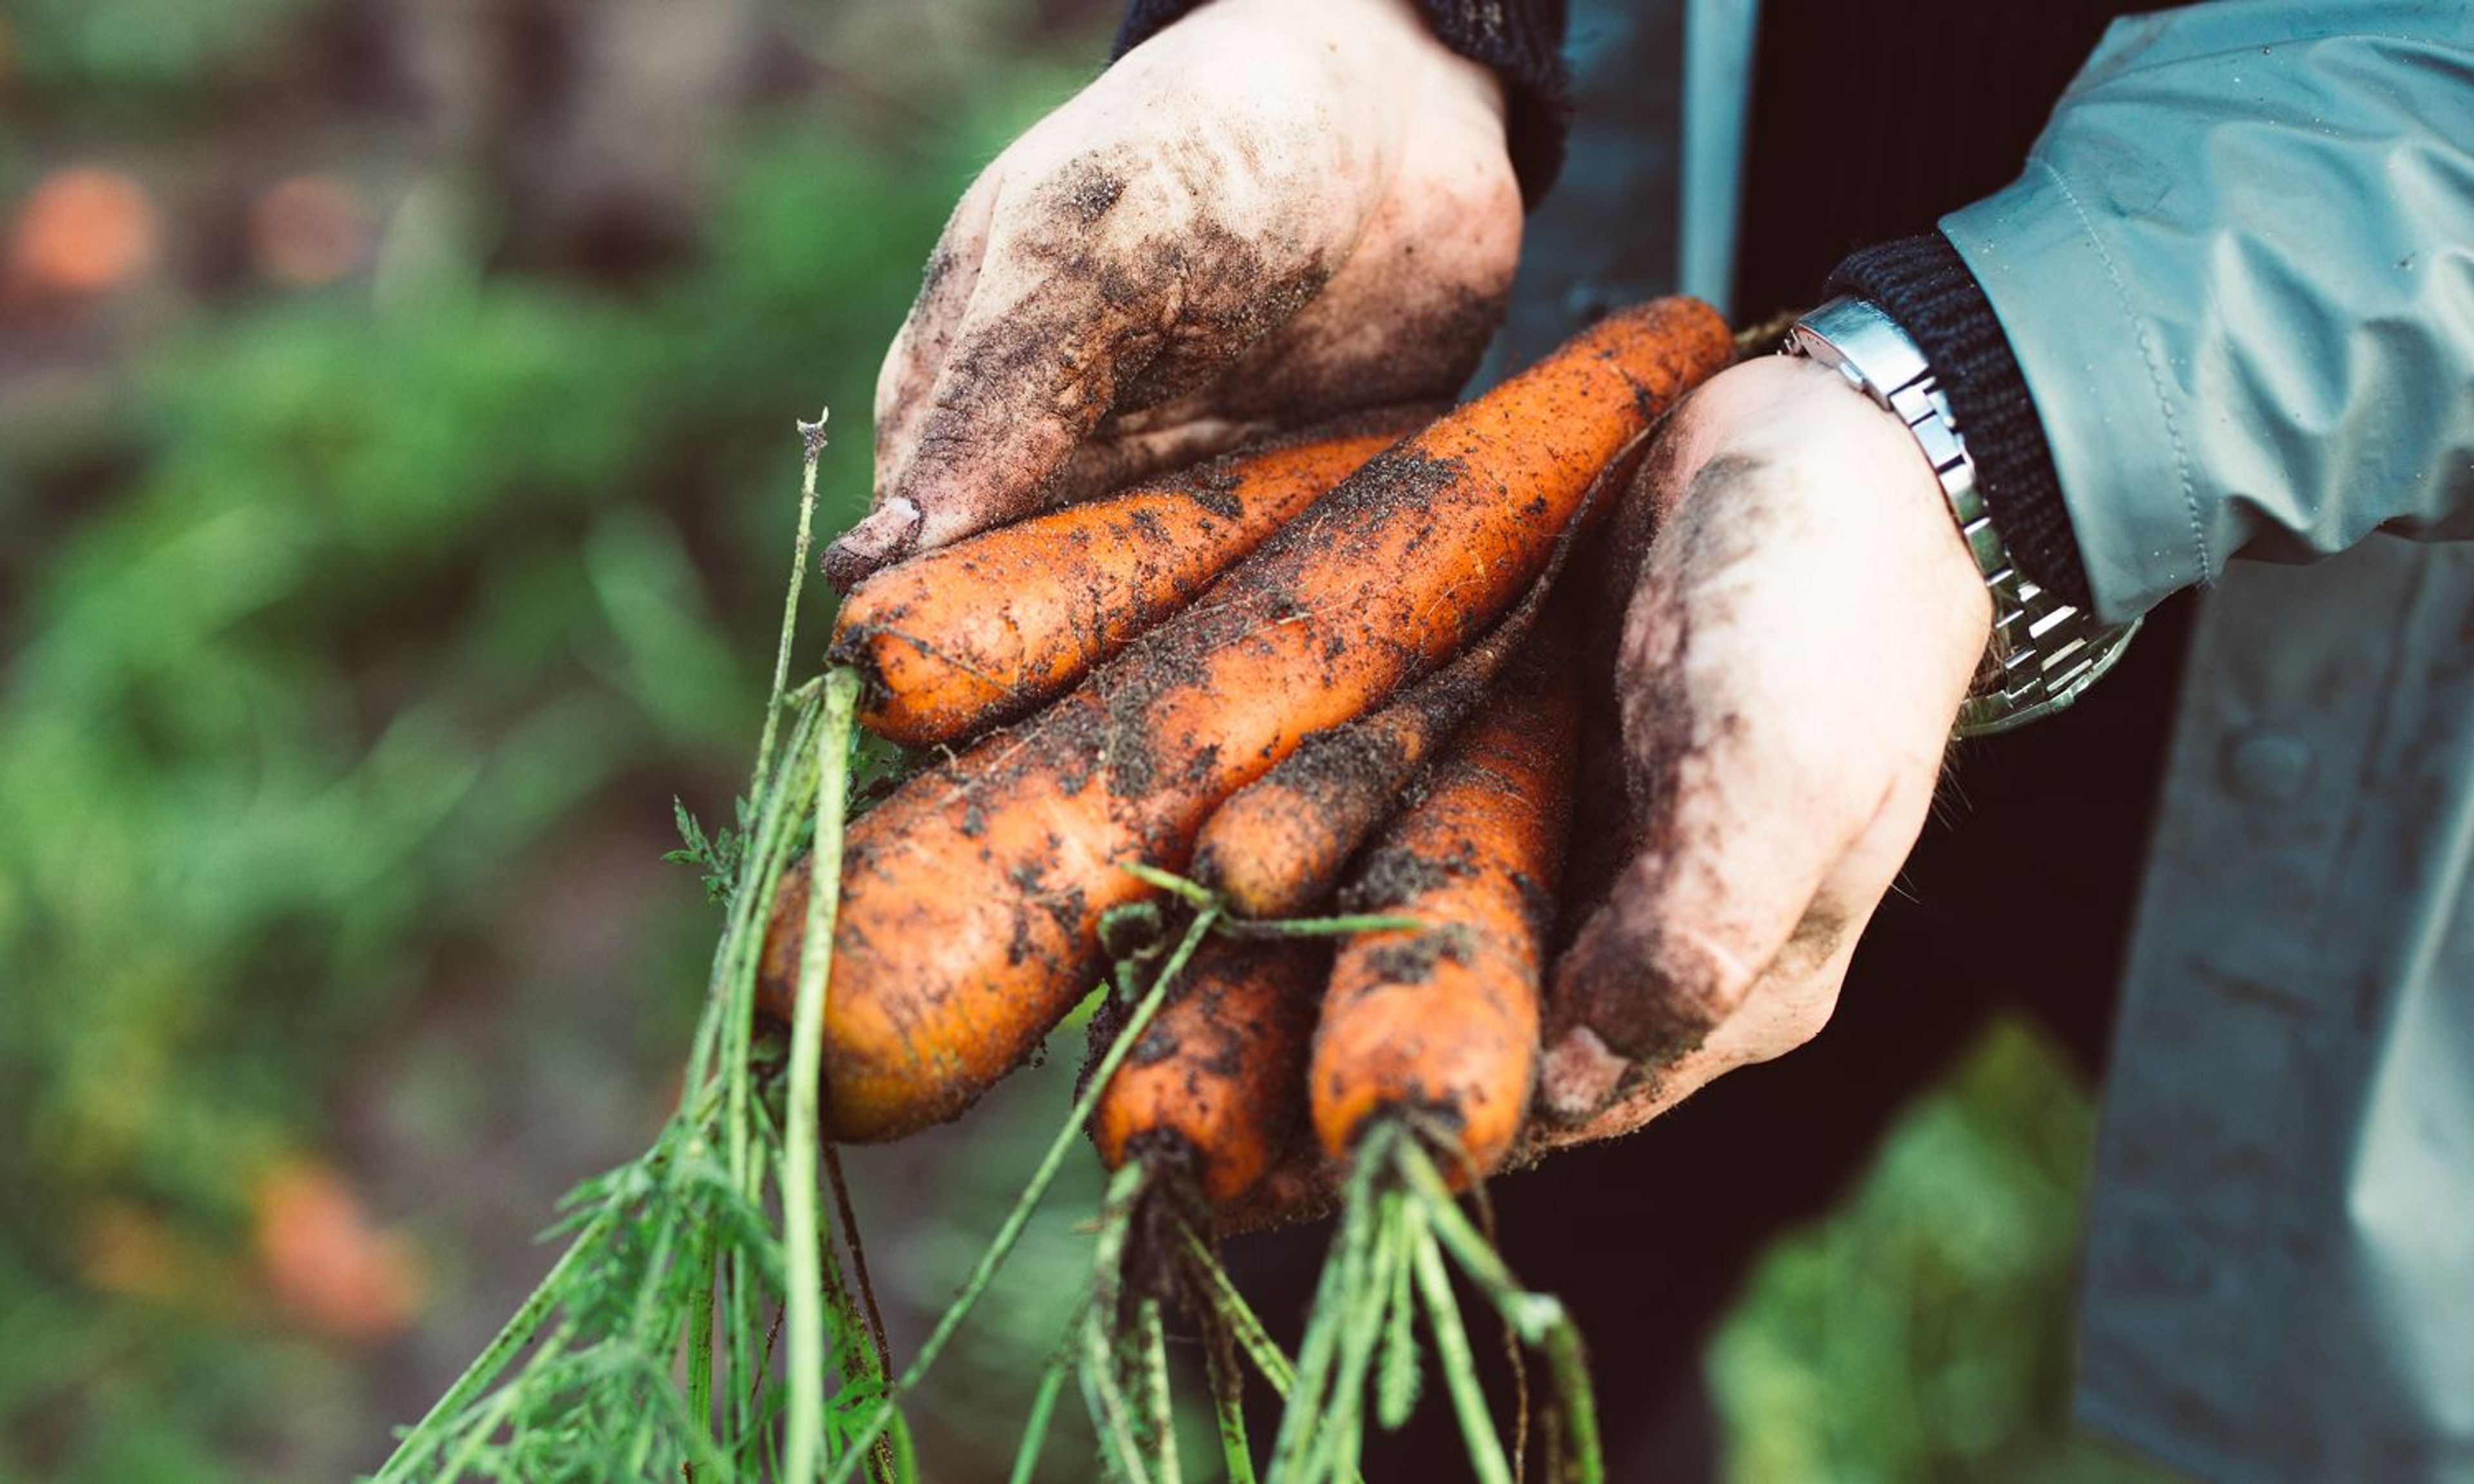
[2155, 372]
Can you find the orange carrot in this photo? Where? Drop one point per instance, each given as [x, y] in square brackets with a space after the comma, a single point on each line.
[1278, 846]
[952, 641]
[1218, 1081]
[972, 896]
[1442, 1022]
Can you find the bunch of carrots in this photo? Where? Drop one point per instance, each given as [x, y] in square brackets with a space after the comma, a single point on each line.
[1324, 670]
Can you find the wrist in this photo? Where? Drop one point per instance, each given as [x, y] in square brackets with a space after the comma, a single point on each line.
[1864, 457]
[1386, 42]
[1840, 499]
[1793, 414]
[2045, 651]
[1458, 79]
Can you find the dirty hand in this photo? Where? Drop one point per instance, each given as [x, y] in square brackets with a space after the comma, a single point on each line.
[1793, 657]
[1272, 210]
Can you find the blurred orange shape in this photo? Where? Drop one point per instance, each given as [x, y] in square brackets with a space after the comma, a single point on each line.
[327, 1265]
[128, 1252]
[82, 231]
[308, 230]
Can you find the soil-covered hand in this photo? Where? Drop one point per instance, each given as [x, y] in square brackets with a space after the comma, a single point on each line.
[1274, 210]
[1793, 655]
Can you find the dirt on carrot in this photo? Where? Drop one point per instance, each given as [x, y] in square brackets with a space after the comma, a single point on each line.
[1441, 1023]
[957, 639]
[1217, 1085]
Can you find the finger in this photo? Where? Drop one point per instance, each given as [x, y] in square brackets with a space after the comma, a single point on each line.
[1372, 337]
[1804, 630]
[926, 338]
[1671, 958]
[907, 378]
[1786, 1007]
[1112, 459]
[1032, 373]
[1410, 313]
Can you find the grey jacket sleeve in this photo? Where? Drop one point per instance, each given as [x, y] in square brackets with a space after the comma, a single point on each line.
[2239, 278]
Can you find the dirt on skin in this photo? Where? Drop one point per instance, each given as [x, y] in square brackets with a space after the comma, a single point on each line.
[1398, 340]
[951, 960]
[1647, 1004]
[1103, 334]
[1150, 321]
[1605, 578]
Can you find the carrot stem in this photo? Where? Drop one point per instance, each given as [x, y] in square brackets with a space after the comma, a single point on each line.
[1539, 1318]
[1324, 927]
[1396, 1373]
[1328, 1395]
[1304, 1411]
[802, 1232]
[1458, 1362]
[1243, 1326]
[517, 1332]
[1227, 1396]
[1124, 1436]
[735, 964]
[1043, 1407]
[1194, 893]
[849, 1222]
[1112, 1413]
[1160, 1418]
[1363, 1326]
[1043, 1175]
[699, 1336]
[1108, 1404]
[1201, 896]
[812, 440]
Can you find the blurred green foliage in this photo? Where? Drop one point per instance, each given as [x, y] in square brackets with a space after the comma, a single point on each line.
[400, 586]
[116, 56]
[1923, 1330]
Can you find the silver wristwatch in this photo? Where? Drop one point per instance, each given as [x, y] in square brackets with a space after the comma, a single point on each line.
[2044, 652]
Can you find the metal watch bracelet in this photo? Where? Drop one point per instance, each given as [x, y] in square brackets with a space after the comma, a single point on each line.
[2043, 653]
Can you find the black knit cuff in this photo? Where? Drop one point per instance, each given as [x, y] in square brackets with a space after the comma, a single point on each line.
[1522, 39]
[1922, 283]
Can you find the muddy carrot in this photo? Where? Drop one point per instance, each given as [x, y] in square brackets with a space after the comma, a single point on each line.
[1279, 845]
[1442, 1022]
[972, 896]
[1218, 1084]
[956, 640]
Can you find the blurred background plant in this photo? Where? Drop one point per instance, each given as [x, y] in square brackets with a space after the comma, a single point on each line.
[395, 461]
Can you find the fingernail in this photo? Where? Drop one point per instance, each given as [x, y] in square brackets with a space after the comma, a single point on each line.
[884, 537]
[1580, 1075]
